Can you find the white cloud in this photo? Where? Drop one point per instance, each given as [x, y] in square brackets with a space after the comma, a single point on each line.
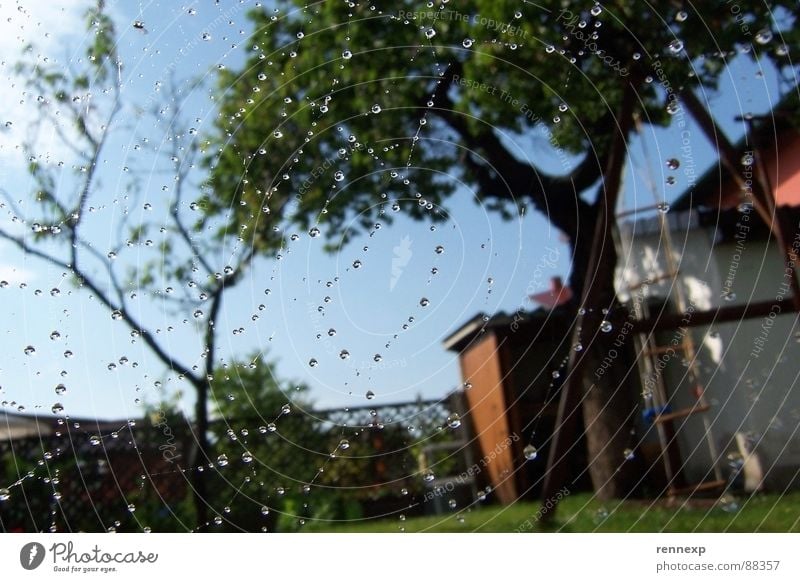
[53, 28]
[15, 275]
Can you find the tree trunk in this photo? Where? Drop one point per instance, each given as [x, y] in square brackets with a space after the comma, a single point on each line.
[201, 456]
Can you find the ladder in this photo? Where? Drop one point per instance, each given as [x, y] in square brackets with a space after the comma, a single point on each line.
[649, 351]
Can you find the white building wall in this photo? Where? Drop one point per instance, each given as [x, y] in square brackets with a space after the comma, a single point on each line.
[750, 368]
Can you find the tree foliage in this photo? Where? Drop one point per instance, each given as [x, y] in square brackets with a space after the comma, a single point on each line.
[407, 101]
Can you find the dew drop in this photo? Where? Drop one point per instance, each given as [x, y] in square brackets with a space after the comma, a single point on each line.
[454, 421]
[764, 36]
[605, 326]
[222, 460]
[676, 46]
[370, 395]
[530, 452]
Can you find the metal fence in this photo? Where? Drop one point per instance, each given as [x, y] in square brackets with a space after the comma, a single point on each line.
[310, 466]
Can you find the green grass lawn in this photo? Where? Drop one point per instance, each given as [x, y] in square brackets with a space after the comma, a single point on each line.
[581, 513]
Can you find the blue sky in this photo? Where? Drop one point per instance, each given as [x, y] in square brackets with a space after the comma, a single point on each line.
[367, 306]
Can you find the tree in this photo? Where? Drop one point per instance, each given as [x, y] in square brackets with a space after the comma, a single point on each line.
[83, 103]
[343, 110]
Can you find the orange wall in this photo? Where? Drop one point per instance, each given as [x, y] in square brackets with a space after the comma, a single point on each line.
[785, 175]
[480, 365]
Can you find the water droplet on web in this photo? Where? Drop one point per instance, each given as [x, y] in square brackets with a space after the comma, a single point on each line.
[264, 510]
[454, 421]
[376, 108]
[314, 232]
[600, 515]
[247, 457]
[277, 134]
[673, 106]
[452, 504]
[377, 358]
[467, 43]
[60, 389]
[605, 326]
[628, 454]
[286, 409]
[556, 374]
[673, 164]
[430, 33]
[95, 440]
[5, 494]
[271, 427]
[57, 408]
[662, 207]
[676, 46]
[747, 159]
[338, 176]
[344, 354]
[344, 444]
[424, 302]
[681, 16]
[370, 395]
[222, 460]
[29, 350]
[439, 249]
[728, 504]
[428, 476]
[530, 452]
[764, 36]
[596, 10]
[218, 520]
[131, 507]
[346, 55]
[313, 363]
